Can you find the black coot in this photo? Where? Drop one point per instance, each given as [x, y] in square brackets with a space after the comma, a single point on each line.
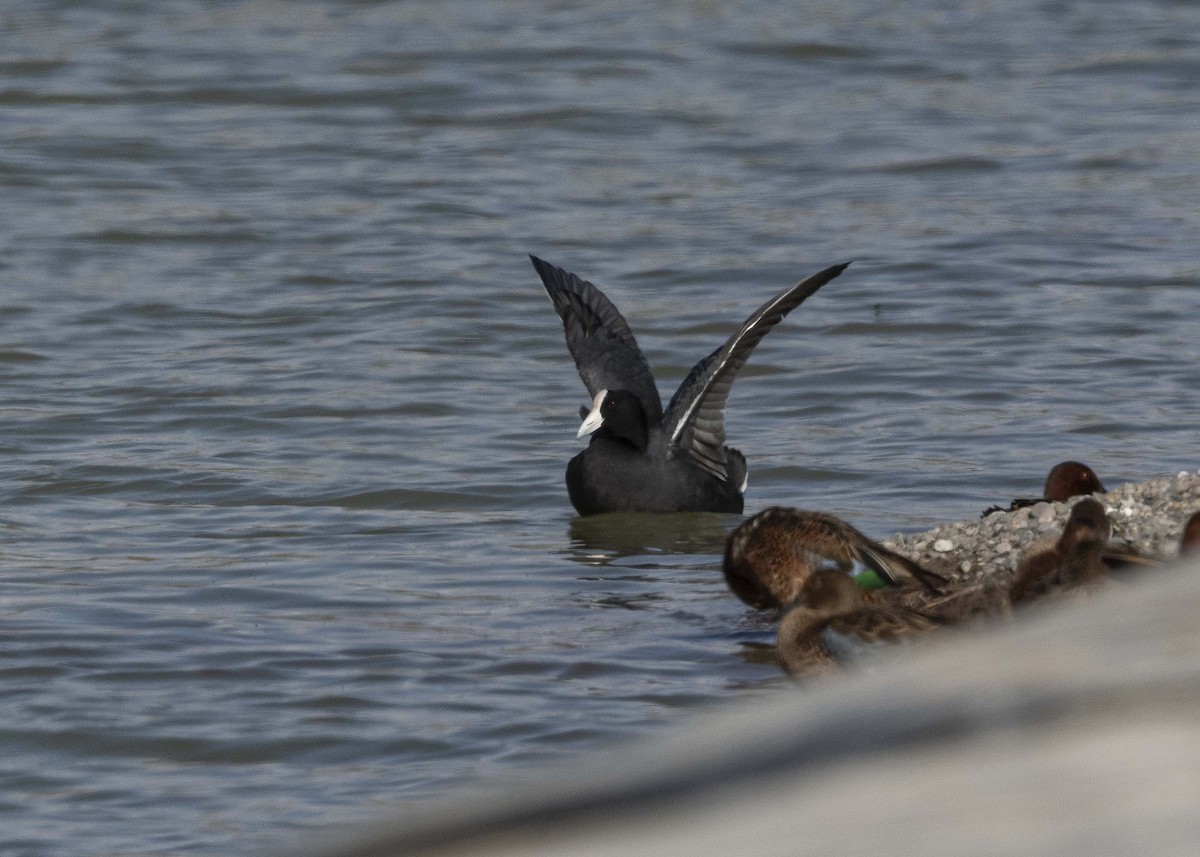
[640, 458]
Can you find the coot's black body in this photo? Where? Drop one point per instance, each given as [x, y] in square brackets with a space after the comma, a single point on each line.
[637, 471]
[642, 458]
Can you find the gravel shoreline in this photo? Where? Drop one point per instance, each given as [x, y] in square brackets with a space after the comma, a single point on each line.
[1147, 517]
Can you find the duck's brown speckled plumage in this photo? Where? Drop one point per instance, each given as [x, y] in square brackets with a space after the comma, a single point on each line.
[831, 607]
[1076, 559]
[981, 601]
[1189, 539]
[770, 555]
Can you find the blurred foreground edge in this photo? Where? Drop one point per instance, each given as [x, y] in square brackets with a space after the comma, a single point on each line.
[1074, 731]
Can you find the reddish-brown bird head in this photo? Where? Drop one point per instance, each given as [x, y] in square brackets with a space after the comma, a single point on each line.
[1071, 479]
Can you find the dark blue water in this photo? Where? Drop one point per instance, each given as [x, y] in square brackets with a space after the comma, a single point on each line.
[284, 411]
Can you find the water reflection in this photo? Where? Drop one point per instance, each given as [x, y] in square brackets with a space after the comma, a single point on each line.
[758, 652]
[600, 539]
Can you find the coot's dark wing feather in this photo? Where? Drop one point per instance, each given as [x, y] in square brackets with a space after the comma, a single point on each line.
[695, 419]
[710, 457]
[606, 354]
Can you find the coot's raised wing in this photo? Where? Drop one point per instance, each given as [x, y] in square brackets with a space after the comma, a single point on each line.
[695, 419]
[606, 354]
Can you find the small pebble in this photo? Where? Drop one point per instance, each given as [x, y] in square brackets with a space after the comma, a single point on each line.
[1043, 513]
[1004, 546]
[943, 545]
[964, 566]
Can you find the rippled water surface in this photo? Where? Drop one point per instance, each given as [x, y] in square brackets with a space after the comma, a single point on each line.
[284, 410]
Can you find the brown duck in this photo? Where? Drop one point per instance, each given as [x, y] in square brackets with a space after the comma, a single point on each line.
[1067, 479]
[834, 622]
[1189, 541]
[1074, 560]
[770, 555]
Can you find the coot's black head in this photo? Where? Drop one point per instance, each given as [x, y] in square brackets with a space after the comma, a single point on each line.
[618, 415]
